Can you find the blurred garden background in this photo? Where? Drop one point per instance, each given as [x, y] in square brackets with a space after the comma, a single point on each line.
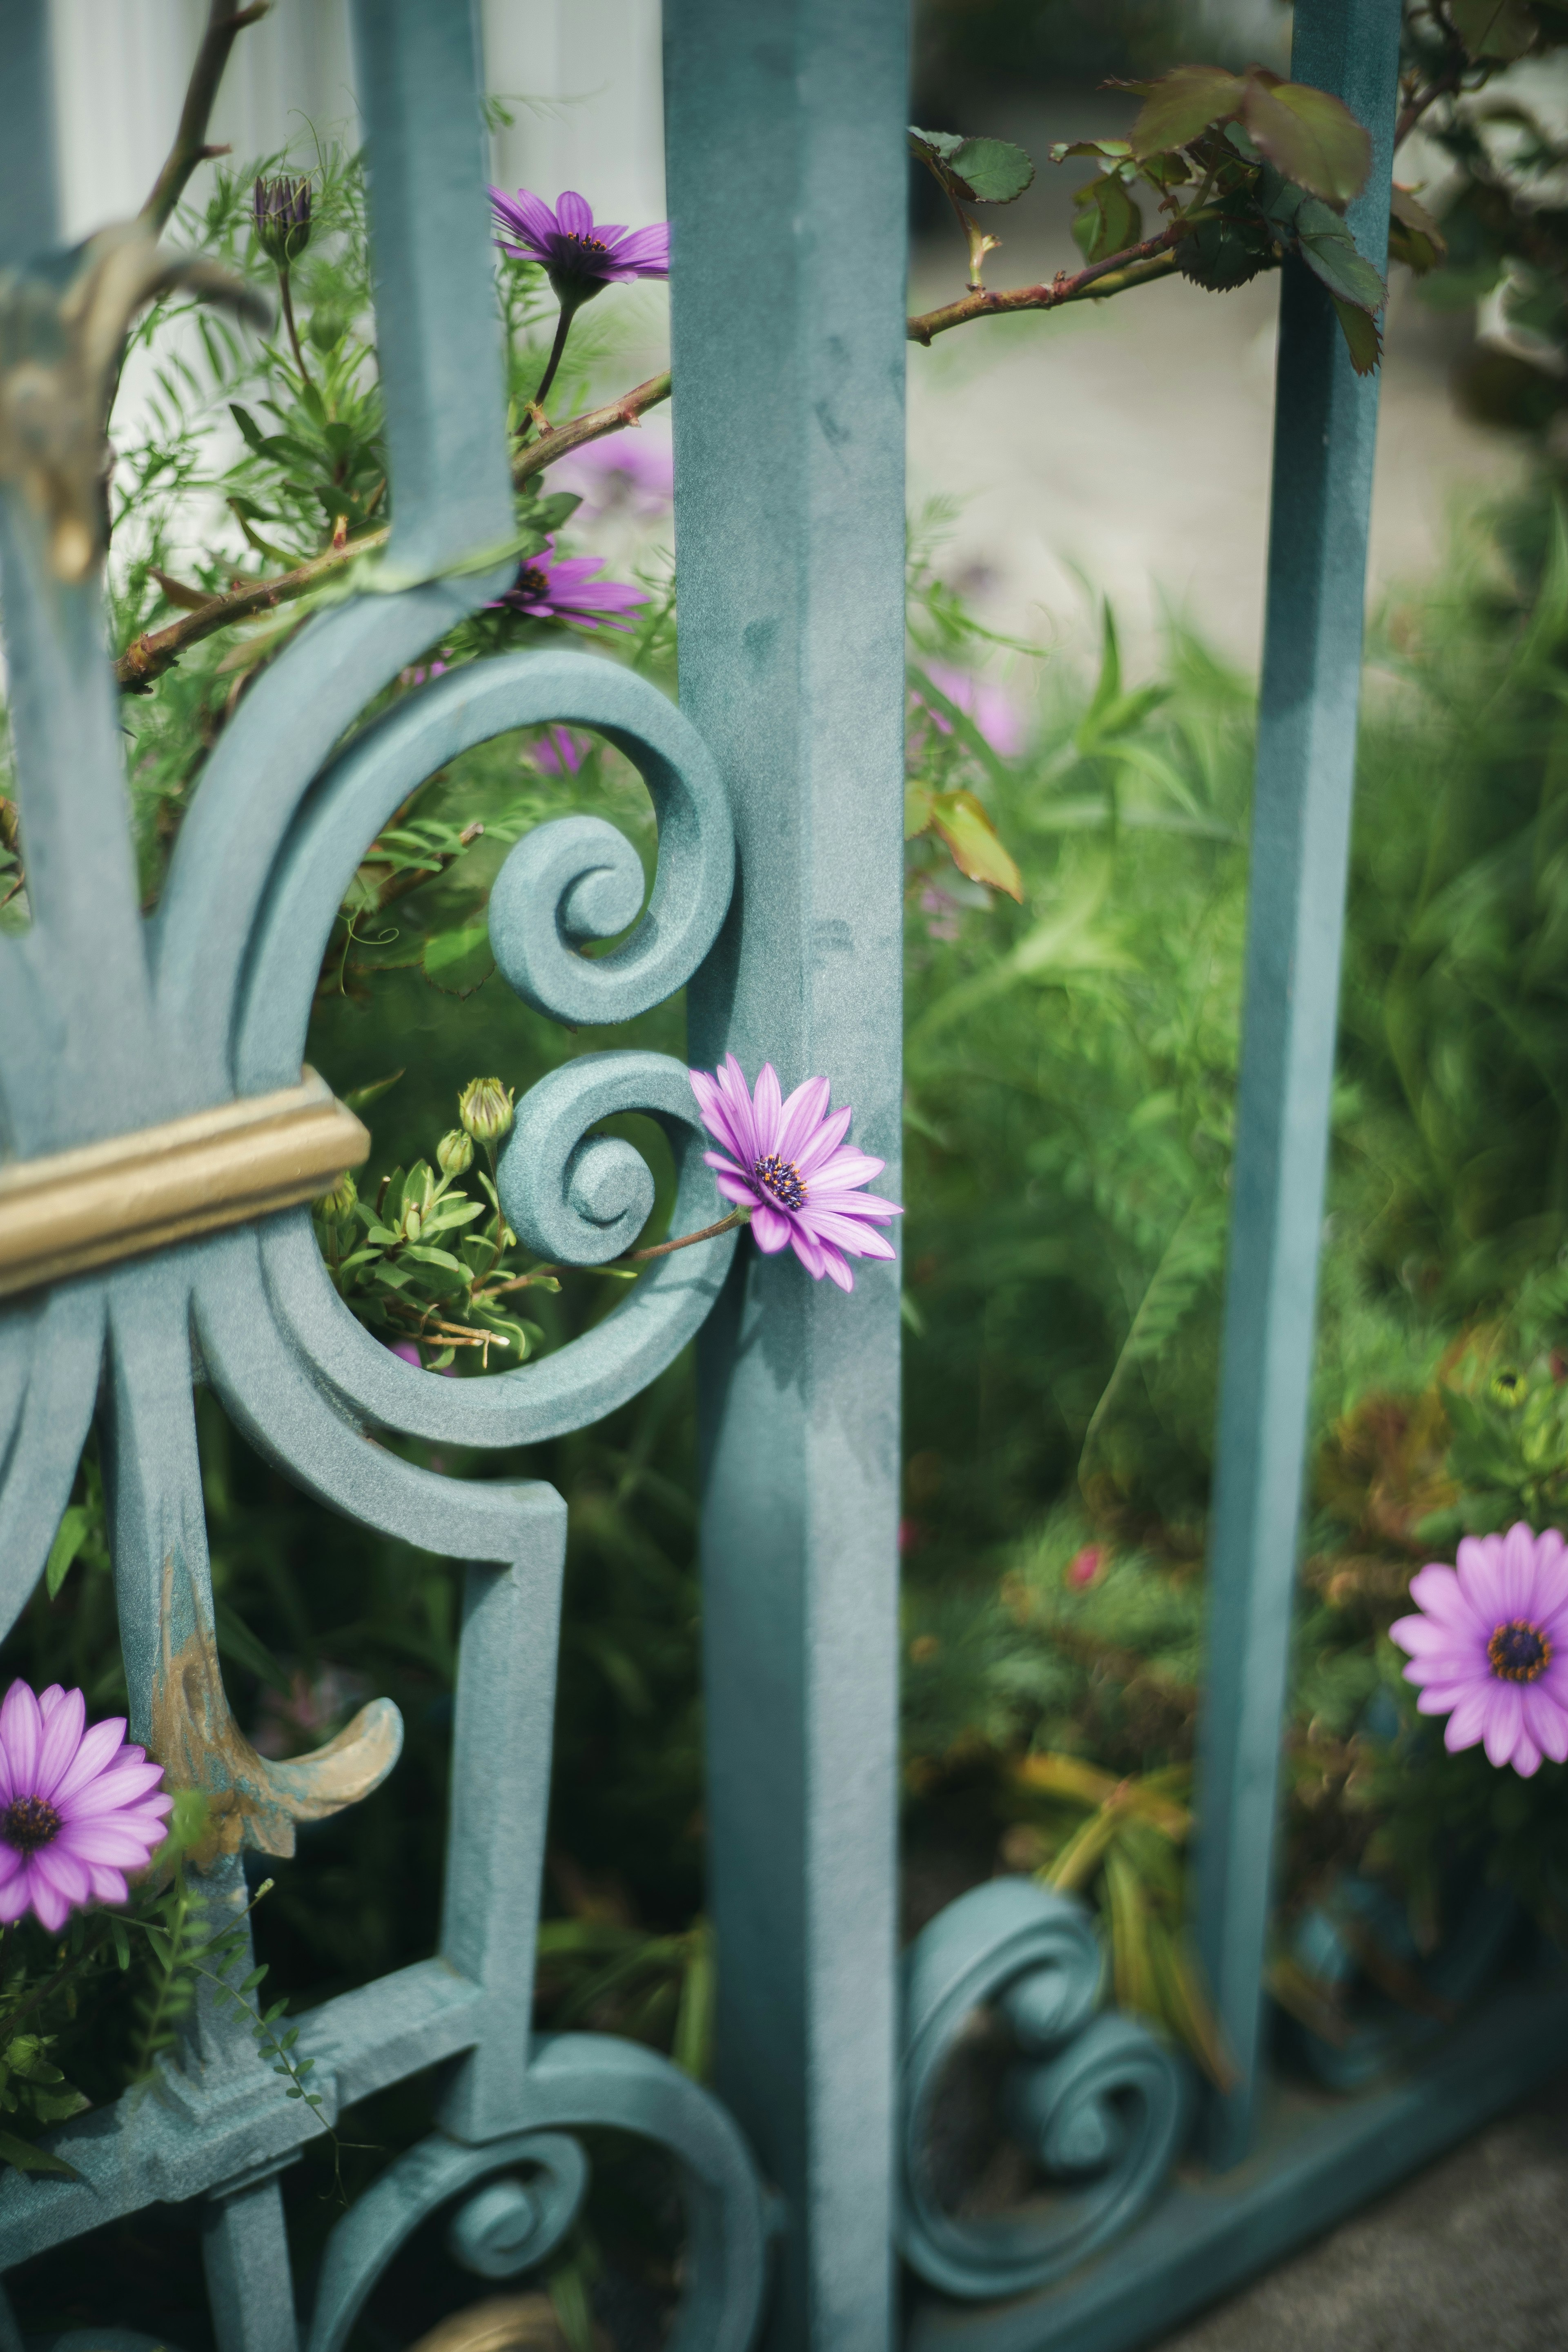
[1089, 501]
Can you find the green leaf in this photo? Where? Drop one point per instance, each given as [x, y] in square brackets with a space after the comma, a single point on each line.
[250, 429]
[162, 1950]
[1414, 237]
[1363, 340]
[919, 803]
[1222, 250]
[1183, 104]
[28, 2159]
[966, 826]
[978, 171]
[458, 962]
[121, 1940]
[990, 171]
[1106, 218]
[1309, 136]
[71, 1534]
[1504, 29]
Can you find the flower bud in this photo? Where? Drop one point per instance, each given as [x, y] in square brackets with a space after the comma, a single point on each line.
[485, 1108]
[338, 1202]
[455, 1153]
[418, 1192]
[280, 216]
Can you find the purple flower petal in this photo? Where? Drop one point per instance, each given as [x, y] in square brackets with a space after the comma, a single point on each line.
[772, 1227]
[574, 214]
[801, 1115]
[1546, 1722]
[1516, 1568]
[767, 1110]
[1480, 1577]
[63, 1723]
[1505, 1719]
[736, 1189]
[1437, 1591]
[820, 1149]
[21, 1735]
[1467, 1722]
[49, 1902]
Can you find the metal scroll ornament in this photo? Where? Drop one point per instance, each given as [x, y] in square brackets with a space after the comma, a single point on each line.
[156, 1130]
[1099, 2102]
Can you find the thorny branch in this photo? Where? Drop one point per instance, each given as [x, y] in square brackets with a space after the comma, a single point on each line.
[224, 24]
[156, 650]
[1155, 257]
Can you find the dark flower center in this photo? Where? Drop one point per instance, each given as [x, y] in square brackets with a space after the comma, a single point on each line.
[781, 1178]
[532, 582]
[1518, 1652]
[27, 1824]
[588, 246]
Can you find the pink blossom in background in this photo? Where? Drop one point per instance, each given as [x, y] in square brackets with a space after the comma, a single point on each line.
[1488, 1646]
[1085, 1565]
[794, 1170]
[408, 1351]
[994, 712]
[78, 1807]
[560, 752]
[316, 1705]
[631, 471]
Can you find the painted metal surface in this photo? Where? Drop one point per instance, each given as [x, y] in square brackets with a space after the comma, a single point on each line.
[1325, 426]
[786, 182]
[115, 1027]
[778, 791]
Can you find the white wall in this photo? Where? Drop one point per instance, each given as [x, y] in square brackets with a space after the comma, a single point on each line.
[582, 76]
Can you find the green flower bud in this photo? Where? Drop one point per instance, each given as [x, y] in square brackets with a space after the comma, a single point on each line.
[418, 1192]
[1508, 1389]
[326, 330]
[455, 1153]
[485, 1108]
[338, 1202]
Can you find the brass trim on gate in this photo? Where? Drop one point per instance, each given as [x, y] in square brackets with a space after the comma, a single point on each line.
[71, 1211]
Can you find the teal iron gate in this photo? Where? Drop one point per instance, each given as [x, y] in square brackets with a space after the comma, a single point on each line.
[162, 1142]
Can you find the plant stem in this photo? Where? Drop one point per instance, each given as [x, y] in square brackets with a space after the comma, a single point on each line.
[224, 23]
[1155, 257]
[562, 329]
[662, 1249]
[288, 301]
[156, 650]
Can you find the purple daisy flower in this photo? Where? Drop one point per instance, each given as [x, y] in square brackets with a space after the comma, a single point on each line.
[78, 1807]
[795, 1172]
[567, 588]
[580, 254]
[1489, 1648]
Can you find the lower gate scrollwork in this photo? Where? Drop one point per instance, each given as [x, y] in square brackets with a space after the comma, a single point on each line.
[1007, 2053]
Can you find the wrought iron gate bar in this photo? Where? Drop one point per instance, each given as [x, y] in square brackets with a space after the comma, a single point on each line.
[69, 1211]
[1324, 437]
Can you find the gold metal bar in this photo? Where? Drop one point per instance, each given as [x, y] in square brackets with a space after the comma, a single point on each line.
[71, 1211]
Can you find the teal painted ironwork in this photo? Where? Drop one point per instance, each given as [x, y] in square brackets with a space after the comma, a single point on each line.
[1100, 2103]
[111, 1025]
[1325, 427]
[786, 178]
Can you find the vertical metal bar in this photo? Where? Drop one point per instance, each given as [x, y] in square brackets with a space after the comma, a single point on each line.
[28, 185]
[421, 83]
[787, 200]
[245, 2253]
[1325, 424]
